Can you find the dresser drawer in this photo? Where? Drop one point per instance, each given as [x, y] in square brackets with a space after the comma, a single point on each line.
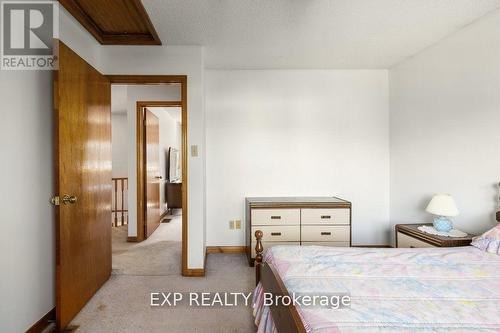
[326, 216]
[327, 233]
[281, 233]
[408, 241]
[275, 217]
[333, 244]
[267, 245]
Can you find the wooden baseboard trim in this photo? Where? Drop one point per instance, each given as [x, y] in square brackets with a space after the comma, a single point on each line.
[373, 246]
[43, 323]
[162, 216]
[132, 239]
[194, 272]
[70, 329]
[226, 249]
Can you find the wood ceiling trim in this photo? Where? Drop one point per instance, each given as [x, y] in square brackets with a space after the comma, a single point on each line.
[124, 38]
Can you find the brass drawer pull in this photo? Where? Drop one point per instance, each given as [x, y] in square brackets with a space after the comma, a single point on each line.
[326, 217]
[326, 233]
[276, 217]
[275, 233]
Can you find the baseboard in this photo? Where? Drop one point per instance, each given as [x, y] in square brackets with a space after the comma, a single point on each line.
[165, 213]
[194, 272]
[132, 239]
[226, 249]
[42, 324]
[373, 246]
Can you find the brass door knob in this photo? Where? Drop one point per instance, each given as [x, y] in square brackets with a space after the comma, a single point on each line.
[69, 199]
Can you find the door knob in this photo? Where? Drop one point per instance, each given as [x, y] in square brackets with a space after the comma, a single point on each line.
[69, 199]
[158, 177]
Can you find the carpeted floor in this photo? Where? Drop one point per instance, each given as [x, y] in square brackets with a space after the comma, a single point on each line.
[123, 303]
[160, 254]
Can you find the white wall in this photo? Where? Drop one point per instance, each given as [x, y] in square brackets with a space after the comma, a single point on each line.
[297, 132]
[168, 138]
[27, 255]
[27, 177]
[173, 60]
[119, 144]
[445, 116]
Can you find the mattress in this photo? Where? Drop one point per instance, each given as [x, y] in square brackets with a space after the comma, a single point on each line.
[391, 290]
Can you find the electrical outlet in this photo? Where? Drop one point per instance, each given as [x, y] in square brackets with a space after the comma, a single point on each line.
[231, 225]
[237, 224]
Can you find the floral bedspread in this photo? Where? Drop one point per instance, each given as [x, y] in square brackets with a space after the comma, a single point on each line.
[391, 290]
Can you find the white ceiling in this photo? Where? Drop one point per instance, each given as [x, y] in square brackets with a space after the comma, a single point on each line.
[362, 34]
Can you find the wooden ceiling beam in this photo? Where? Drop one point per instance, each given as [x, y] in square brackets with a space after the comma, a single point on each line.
[135, 26]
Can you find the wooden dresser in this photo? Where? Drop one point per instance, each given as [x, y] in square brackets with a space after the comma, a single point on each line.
[408, 235]
[297, 221]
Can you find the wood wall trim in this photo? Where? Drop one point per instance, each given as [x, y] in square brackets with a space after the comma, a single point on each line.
[226, 249]
[43, 323]
[383, 246]
[163, 79]
[147, 79]
[125, 13]
[131, 239]
[194, 272]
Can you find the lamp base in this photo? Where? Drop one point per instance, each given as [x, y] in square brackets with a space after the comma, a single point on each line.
[442, 223]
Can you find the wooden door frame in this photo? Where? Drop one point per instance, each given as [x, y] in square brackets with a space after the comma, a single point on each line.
[155, 80]
[142, 161]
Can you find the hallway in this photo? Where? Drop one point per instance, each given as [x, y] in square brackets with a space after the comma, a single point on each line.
[160, 254]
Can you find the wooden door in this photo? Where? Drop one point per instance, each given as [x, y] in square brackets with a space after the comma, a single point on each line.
[82, 138]
[153, 178]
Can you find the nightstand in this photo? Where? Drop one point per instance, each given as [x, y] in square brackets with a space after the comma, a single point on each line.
[408, 235]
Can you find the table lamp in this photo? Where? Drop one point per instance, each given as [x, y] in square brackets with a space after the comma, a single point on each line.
[444, 207]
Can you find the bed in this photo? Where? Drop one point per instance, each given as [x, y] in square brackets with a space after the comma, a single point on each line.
[391, 290]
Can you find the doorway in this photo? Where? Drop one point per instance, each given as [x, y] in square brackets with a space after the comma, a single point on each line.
[83, 180]
[158, 135]
[159, 253]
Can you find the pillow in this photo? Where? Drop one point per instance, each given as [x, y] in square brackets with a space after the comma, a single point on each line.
[489, 241]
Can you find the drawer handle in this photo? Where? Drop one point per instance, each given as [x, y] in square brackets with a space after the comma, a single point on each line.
[324, 233]
[276, 217]
[326, 217]
[275, 233]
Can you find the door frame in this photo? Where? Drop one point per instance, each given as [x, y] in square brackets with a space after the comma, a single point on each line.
[141, 162]
[155, 80]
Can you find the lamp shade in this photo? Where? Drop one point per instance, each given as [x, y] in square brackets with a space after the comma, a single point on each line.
[442, 205]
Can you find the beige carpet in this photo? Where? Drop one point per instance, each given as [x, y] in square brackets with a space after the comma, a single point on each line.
[160, 254]
[123, 303]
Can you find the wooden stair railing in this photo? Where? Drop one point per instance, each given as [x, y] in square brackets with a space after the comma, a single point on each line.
[120, 193]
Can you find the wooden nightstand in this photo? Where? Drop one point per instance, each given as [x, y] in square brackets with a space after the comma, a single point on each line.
[408, 235]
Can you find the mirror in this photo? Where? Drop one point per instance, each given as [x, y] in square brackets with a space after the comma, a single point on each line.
[174, 166]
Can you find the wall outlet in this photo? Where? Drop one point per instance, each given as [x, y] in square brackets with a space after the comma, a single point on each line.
[231, 225]
[237, 224]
